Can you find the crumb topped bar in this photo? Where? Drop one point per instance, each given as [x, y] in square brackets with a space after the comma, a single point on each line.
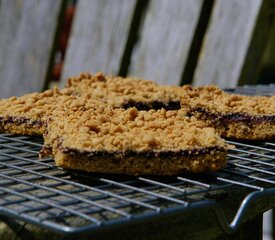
[232, 115]
[28, 114]
[134, 142]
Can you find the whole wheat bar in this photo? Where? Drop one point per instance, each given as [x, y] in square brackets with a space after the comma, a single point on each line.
[107, 140]
[29, 114]
[232, 115]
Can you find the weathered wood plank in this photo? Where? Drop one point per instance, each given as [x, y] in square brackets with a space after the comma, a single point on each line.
[269, 56]
[235, 42]
[165, 40]
[99, 35]
[267, 71]
[27, 34]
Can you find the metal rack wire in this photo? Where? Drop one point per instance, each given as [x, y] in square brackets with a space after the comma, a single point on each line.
[36, 191]
[67, 202]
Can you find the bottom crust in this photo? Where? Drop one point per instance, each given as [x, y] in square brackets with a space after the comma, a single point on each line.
[142, 164]
[243, 131]
[21, 126]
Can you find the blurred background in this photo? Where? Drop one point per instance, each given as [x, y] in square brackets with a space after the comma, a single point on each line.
[228, 43]
[266, 74]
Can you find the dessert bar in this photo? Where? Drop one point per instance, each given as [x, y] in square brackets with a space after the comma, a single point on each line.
[158, 142]
[28, 114]
[232, 115]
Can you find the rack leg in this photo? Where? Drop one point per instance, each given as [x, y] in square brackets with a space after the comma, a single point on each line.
[273, 223]
[249, 230]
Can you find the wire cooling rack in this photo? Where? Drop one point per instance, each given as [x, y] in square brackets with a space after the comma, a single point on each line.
[36, 191]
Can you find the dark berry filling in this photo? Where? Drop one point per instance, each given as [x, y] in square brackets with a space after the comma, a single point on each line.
[156, 105]
[144, 154]
[21, 120]
[233, 117]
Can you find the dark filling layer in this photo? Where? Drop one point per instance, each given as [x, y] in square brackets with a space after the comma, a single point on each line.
[21, 121]
[233, 117]
[45, 151]
[144, 154]
[173, 105]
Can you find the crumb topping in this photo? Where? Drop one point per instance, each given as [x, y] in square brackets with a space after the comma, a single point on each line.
[35, 105]
[42, 106]
[118, 91]
[122, 130]
[218, 101]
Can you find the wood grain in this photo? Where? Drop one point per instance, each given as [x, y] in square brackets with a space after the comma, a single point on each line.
[229, 43]
[27, 33]
[165, 40]
[262, 35]
[99, 35]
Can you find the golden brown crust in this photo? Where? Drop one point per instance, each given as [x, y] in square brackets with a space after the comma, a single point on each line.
[141, 165]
